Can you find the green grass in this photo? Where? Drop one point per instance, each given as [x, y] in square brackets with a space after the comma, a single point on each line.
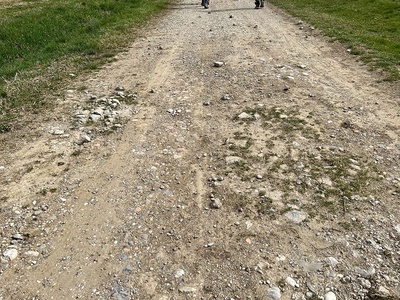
[41, 42]
[371, 28]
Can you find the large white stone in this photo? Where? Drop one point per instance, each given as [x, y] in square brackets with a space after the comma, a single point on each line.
[296, 216]
[290, 281]
[330, 296]
[274, 293]
[179, 273]
[11, 254]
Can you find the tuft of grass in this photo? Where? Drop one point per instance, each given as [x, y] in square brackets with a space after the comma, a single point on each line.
[233, 200]
[41, 42]
[5, 128]
[76, 152]
[370, 28]
[130, 99]
[286, 121]
[264, 206]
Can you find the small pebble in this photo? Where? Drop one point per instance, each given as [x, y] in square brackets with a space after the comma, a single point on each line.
[179, 273]
[290, 281]
[32, 253]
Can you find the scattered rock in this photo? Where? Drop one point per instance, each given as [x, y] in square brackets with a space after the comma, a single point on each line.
[330, 296]
[311, 267]
[128, 269]
[226, 97]
[290, 281]
[215, 203]
[296, 216]
[105, 111]
[11, 254]
[187, 289]
[309, 294]
[57, 131]
[174, 111]
[274, 293]
[17, 236]
[248, 224]
[365, 273]
[32, 253]
[283, 116]
[397, 228]
[332, 261]
[120, 292]
[233, 159]
[365, 283]
[383, 291]
[95, 117]
[84, 138]
[298, 296]
[98, 111]
[179, 273]
[245, 115]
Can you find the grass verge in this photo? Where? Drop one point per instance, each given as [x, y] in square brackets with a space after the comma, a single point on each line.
[370, 28]
[41, 42]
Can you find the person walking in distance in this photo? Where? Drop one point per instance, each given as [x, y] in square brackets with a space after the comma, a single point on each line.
[259, 4]
[205, 3]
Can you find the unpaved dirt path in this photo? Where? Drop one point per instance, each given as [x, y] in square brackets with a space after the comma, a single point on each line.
[273, 176]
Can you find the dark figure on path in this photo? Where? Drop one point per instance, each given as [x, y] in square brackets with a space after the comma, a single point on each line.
[205, 3]
[259, 4]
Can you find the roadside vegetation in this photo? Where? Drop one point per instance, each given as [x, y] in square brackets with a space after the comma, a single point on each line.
[370, 28]
[43, 42]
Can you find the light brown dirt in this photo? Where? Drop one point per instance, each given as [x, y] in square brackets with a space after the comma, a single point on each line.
[130, 215]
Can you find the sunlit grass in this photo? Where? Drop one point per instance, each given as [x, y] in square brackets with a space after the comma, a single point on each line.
[370, 28]
[42, 41]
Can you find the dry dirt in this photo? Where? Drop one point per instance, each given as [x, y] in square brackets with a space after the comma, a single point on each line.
[273, 175]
